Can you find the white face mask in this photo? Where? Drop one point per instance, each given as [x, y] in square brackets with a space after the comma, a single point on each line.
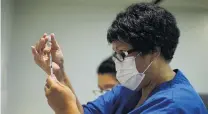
[127, 73]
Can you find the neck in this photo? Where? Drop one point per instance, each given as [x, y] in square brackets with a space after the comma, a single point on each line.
[161, 74]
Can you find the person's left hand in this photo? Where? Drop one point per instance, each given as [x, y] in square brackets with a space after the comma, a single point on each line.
[60, 97]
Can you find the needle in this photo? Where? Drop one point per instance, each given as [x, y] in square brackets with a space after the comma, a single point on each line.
[50, 56]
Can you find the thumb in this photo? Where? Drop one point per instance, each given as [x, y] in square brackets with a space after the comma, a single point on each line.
[53, 77]
[54, 45]
[51, 80]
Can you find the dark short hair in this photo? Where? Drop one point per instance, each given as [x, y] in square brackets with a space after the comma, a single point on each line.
[107, 66]
[146, 27]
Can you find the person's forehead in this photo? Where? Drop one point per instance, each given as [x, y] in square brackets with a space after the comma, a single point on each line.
[118, 46]
[106, 81]
[105, 76]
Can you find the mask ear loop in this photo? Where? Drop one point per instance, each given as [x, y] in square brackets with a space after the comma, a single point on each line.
[139, 54]
[151, 63]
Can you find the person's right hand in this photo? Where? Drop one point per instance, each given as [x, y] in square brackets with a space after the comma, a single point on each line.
[41, 53]
[60, 97]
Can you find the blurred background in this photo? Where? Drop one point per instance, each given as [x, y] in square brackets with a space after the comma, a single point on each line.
[80, 27]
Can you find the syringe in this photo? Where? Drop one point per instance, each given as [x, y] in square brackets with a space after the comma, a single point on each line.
[50, 56]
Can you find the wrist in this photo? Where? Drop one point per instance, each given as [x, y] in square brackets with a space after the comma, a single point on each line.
[71, 109]
[60, 75]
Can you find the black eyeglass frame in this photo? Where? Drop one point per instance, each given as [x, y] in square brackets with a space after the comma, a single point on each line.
[120, 56]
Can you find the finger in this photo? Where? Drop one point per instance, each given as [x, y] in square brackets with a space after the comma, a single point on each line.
[46, 85]
[46, 88]
[47, 57]
[44, 35]
[34, 51]
[35, 55]
[53, 77]
[36, 46]
[45, 38]
[54, 45]
[51, 81]
[46, 50]
[47, 91]
[44, 43]
[41, 45]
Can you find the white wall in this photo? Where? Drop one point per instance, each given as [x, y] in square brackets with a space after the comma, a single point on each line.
[6, 31]
[191, 54]
[80, 28]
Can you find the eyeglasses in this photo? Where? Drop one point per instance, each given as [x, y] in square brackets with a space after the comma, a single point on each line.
[120, 56]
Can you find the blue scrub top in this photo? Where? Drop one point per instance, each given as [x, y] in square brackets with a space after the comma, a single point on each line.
[174, 97]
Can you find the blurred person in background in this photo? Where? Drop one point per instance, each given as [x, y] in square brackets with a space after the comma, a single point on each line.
[106, 73]
[144, 37]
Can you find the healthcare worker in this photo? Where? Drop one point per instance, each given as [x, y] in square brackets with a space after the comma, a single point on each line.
[106, 72]
[144, 37]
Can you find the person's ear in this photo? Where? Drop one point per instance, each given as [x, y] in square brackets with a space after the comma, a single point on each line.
[155, 54]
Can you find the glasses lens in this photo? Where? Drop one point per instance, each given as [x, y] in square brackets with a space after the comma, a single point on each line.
[99, 92]
[119, 57]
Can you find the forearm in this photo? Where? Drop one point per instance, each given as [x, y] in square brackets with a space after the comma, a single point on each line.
[66, 81]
